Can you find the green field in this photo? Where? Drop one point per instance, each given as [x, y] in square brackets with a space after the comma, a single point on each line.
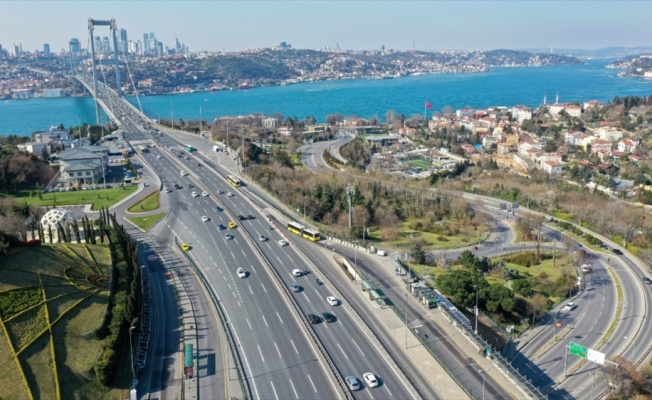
[52, 298]
[419, 163]
[436, 241]
[149, 203]
[145, 223]
[98, 198]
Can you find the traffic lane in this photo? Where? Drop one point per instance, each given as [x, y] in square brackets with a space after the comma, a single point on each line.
[456, 360]
[257, 341]
[352, 350]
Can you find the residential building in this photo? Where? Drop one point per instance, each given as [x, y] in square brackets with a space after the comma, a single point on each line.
[34, 147]
[626, 146]
[83, 165]
[552, 167]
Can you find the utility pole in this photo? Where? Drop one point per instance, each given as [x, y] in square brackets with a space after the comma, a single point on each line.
[476, 308]
[350, 192]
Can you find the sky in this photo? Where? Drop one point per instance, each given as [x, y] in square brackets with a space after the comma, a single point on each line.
[351, 25]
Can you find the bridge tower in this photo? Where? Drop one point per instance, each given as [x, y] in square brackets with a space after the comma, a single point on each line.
[114, 33]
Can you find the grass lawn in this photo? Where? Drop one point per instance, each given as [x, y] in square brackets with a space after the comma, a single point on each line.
[98, 197]
[68, 274]
[145, 223]
[149, 203]
[464, 238]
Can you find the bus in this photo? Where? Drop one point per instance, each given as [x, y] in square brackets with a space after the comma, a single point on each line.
[305, 232]
[190, 148]
[142, 148]
[235, 182]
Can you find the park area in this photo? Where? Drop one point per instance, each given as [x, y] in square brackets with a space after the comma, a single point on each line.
[52, 299]
[98, 198]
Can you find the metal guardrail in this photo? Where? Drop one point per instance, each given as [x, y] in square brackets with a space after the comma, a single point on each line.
[246, 390]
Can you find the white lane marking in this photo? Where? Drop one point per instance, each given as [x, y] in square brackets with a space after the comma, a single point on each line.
[234, 295]
[386, 388]
[229, 285]
[356, 345]
[274, 389]
[253, 268]
[264, 320]
[307, 298]
[279, 317]
[249, 324]
[261, 353]
[252, 292]
[369, 390]
[232, 255]
[223, 276]
[312, 383]
[277, 350]
[297, 351]
[211, 257]
[263, 287]
[295, 391]
[338, 345]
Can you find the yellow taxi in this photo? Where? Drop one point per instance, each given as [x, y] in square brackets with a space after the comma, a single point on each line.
[232, 225]
[185, 247]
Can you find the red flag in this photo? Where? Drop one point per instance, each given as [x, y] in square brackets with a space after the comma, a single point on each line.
[428, 104]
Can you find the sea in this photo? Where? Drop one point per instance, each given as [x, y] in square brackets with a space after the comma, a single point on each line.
[363, 98]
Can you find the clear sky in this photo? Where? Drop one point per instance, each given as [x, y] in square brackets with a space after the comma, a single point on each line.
[355, 25]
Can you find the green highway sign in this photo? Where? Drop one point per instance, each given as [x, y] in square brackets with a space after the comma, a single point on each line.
[578, 349]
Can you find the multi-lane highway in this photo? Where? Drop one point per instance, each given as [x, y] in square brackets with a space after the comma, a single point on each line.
[279, 357]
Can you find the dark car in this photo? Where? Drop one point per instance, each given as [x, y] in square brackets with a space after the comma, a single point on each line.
[314, 318]
[647, 280]
[250, 217]
[328, 317]
[617, 252]
[221, 227]
[241, 217]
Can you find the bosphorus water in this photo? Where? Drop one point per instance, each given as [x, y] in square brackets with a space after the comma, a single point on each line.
[358, 97]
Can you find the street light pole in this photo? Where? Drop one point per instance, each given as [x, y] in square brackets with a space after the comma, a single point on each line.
[484, 377]
[406, 323]
[131, 352]
[476, 308]
[592, 384]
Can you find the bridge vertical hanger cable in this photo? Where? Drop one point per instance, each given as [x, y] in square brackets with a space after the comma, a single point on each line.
[131, 78]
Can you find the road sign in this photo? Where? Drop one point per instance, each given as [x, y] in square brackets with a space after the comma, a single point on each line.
[595, 356]
[152, 258]
[578, 350]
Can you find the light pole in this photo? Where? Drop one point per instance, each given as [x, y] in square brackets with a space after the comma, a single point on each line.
[131, 352]
[476, 308]
[406, 323]
[484, 377]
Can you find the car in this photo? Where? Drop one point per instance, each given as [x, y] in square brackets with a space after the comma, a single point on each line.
[229, 194]
[184, 173]
[314, 318]
[647, 280]
[187, 158]
[332, 300]
[185, 247]
[195, 194]
[250, 217]
[228, 236]
[263, 238]
[297, 272]
[295, 287]
[218, 208]
[282, 242]
[220, 191]
[168, 190]
[569, 306]
[204, 194]
[328, 317]
[352, 383]
[241, 218]
[190, 185]
[232, 225]
[241, 273]
[617, 252]
[221, 227]
[370, 379]
[159, 157]
[205, 218]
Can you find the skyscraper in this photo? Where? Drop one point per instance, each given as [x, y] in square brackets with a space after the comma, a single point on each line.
[106, 46]
[17, 50]
[123, 42]
[75, 46]
[46, 48]
[145, 42]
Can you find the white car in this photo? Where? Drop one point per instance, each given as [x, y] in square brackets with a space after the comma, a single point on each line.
[370, 379]
[183, 173]
[297, 272]
[282, 242]
[241, 273]
[263, 238]
[195, 194]
[159, 157]
[204, 194]
[229, 194]
[332, 300]
[569, 307]
[205, 218]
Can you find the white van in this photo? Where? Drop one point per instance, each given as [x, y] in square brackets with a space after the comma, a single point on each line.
[382, 253]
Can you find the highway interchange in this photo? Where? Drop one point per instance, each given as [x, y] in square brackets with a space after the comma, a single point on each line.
[280, 358]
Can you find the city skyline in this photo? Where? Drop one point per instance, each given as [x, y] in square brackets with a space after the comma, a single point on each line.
[356, 25]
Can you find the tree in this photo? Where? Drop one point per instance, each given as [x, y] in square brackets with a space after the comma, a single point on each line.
[498, 298]
[537, 305]
[417, 253]
[458, 285]
[522, 287]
